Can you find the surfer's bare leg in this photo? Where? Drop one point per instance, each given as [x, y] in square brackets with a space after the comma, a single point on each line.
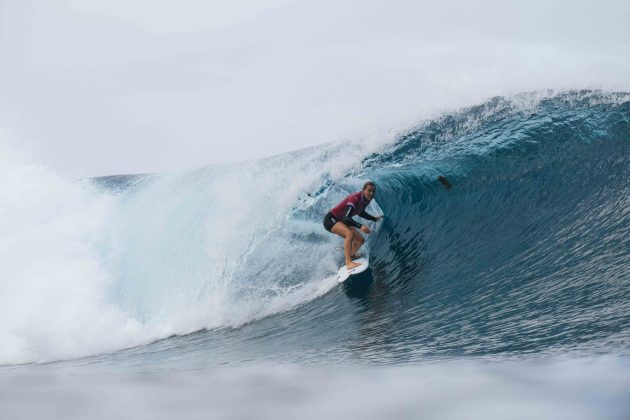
[357, 242]
[346, 233]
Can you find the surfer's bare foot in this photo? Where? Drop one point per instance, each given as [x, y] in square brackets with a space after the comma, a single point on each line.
[352, 265]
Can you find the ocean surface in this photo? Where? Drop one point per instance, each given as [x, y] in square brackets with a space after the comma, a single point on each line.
[211, 293]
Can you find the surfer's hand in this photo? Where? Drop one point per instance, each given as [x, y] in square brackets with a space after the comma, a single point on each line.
[365, 229]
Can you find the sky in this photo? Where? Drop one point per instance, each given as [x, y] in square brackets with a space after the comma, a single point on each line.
[104, 87]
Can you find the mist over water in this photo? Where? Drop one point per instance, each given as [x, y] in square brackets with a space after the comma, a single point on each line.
[575, 389]
[104, 87]
[168, 255]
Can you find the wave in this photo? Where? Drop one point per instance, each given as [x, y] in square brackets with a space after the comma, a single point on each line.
[527, 253]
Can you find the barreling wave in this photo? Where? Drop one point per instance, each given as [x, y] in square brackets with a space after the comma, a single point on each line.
[528, 253]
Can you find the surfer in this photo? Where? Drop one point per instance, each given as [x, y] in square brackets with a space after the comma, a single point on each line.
[339, 221]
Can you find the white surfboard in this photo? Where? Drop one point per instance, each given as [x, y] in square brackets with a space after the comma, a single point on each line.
[344, 273]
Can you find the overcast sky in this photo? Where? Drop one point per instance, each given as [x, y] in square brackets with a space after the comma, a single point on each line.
[122, 86]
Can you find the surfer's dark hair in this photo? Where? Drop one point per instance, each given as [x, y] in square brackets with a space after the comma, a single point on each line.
[368, 184]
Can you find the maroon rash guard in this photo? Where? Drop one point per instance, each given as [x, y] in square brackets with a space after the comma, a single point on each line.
[352, 205]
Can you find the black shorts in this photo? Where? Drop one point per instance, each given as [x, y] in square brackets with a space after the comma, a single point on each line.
[329, 221]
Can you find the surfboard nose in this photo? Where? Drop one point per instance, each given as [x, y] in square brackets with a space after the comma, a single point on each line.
[344, 272]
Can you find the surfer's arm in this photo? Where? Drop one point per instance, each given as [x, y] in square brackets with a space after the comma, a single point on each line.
[368, 216]
[349, 220]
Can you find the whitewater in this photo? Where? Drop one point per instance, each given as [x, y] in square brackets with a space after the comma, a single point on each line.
[519, 272]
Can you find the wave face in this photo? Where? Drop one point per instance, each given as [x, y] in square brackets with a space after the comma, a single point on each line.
[528, 253]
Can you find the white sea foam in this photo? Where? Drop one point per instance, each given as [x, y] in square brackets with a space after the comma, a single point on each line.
[52, 276]
[85, 271]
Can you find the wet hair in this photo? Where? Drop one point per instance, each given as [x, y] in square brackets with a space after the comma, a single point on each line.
[369, 184]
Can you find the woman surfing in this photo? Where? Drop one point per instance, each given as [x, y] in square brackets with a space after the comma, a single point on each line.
[339, 221]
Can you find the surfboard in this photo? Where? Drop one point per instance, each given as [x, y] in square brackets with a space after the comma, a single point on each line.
[343, 274]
